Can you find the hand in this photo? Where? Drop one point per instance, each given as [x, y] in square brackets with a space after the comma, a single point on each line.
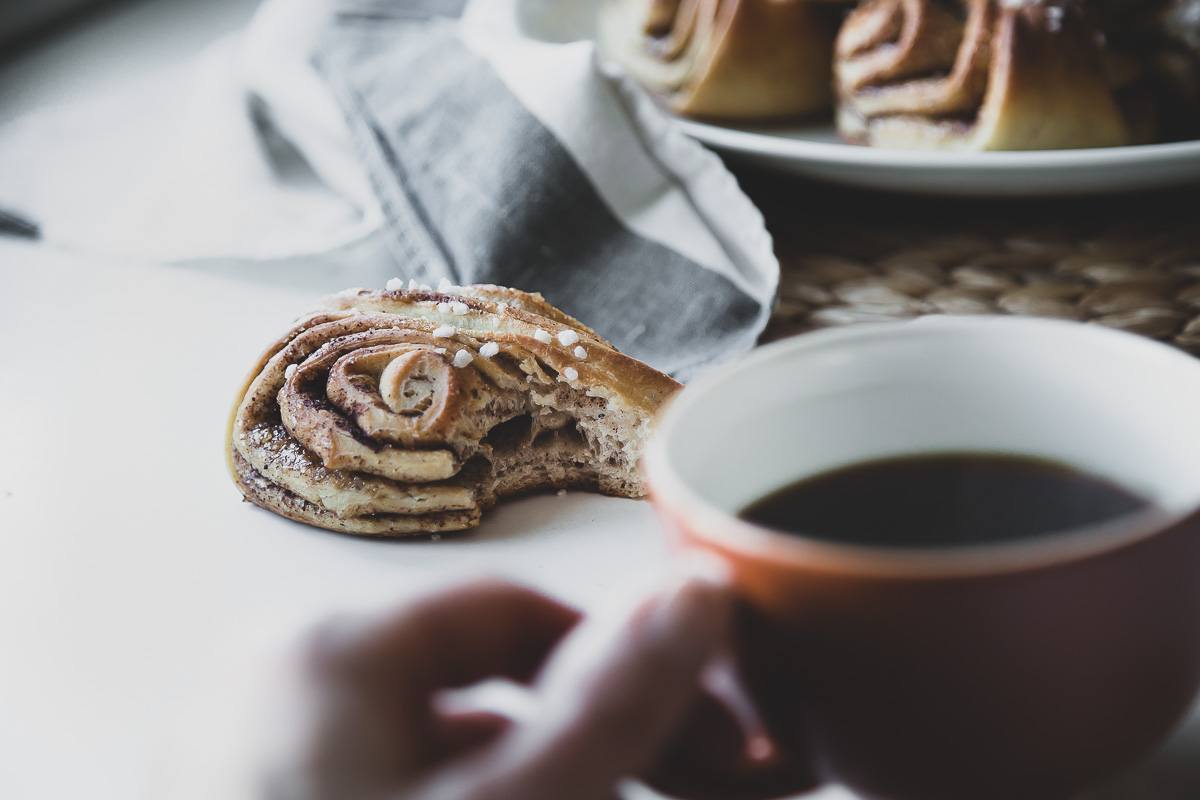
[372, 726]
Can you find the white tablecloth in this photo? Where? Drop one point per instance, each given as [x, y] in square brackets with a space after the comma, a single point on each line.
[126, 556]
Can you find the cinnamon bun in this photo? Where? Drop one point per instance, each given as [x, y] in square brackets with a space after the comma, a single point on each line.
[726, 59]
[411, 411]
[977, 75]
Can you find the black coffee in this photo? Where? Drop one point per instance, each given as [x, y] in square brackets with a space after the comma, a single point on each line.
[943, 499]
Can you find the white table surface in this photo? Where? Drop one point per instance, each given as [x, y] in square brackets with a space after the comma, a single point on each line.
[126, 559]
[125, 554]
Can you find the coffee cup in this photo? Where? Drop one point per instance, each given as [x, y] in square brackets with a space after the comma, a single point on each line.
[1024, 669]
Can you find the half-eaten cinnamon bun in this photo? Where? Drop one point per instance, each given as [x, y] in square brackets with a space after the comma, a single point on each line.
[411, 411]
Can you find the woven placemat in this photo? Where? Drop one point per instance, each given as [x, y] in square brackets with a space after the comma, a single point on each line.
[1130, 262]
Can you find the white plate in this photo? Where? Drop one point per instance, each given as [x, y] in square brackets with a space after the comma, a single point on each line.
[814, 151]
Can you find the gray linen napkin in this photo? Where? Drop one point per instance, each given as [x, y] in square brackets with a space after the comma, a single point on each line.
[476, 189]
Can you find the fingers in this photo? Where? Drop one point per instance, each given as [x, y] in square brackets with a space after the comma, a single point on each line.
[606, 707]
[466, 731]
[612, 703]
[371, 684]
[608, 719]
[451, 638]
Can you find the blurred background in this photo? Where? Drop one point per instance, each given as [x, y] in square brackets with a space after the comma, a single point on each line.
[53, 50]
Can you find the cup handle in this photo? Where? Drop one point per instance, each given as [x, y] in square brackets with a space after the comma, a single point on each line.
[724, 752]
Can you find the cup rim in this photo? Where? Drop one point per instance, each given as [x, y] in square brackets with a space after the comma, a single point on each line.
[732, 534]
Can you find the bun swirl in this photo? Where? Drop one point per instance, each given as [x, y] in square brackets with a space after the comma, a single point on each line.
[406, 412]
[975, 75]
[726, 59]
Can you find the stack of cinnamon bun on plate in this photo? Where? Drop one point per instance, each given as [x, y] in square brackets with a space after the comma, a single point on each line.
[928, 74]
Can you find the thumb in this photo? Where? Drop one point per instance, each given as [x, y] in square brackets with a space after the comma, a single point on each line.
[608, 707]
[609, 700]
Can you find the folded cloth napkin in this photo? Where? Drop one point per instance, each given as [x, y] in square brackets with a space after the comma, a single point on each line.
[437, 139]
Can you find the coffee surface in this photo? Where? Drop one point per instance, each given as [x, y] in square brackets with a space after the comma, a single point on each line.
[943, 500]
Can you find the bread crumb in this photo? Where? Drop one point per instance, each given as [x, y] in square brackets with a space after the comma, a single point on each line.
[489, 349]
[444, 331]
[579, 353]
[446, 286]
[290, 371]
[443, 308]
[571, 374]
[459, 307]
[394, 285]
[568, 337]
[462, 358]
[542, 336]
[503, 307]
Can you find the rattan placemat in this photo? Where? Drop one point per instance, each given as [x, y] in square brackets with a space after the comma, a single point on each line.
[1130, 262]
